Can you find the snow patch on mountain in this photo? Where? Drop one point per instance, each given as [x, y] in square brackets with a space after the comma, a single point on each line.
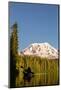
[44, 50]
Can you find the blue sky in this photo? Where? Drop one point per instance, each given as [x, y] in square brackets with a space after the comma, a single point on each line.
[37, 23]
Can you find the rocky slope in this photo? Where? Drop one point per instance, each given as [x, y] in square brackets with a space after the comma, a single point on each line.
[44, 50]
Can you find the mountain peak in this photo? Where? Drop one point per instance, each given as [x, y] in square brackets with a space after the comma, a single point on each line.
[44, 50]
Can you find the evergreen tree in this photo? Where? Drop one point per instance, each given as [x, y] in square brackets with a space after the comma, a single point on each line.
[13, 54]
[14, 40]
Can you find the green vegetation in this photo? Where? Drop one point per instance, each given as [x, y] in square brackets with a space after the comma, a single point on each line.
[45, 70]
[13, 55]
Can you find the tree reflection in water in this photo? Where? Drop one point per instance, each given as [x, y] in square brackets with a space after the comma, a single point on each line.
[24, 77]
[28, 74]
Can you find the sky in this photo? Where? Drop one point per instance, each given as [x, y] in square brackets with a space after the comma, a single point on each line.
[37, 23]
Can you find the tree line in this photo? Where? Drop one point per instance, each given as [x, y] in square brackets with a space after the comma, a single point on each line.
[37, 64]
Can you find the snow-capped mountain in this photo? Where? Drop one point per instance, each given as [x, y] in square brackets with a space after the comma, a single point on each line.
[44, 50]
